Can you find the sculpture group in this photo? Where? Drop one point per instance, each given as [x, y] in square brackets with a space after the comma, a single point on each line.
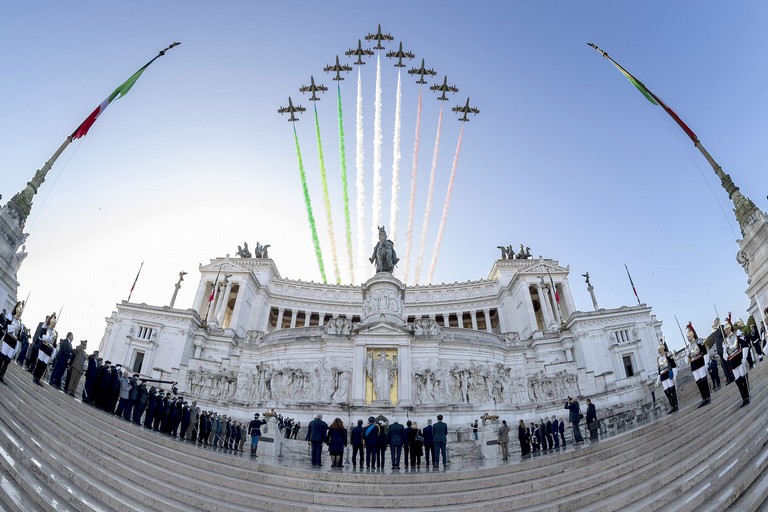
[259, 252]
[508, 253]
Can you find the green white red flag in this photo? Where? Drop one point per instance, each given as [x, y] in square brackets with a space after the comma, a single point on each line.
[121, 91]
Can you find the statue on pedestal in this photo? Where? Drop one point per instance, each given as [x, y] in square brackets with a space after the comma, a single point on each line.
[384, 256]
[382, 373]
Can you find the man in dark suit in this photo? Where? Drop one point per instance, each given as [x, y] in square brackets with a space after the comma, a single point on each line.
[592, 424]
[395, 438]
[371, 437]
[356, 441]
[428, 433]
[548, 430]
[561, 430]
[90, 378]
[407, 436]
[440, 430]
[555, 431]
[317, 430]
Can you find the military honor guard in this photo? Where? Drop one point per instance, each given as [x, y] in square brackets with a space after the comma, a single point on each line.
[10, 338]
[736, 346]
[666, 365]
[47, 349]
[699, 361]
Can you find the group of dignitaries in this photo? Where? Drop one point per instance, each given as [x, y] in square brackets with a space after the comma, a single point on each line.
[407, 443]
[737, 347]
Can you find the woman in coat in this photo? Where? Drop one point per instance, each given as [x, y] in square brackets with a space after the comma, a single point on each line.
[417, 445]
[337, 441]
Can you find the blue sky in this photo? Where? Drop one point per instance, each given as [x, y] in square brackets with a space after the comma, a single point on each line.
[565, 157]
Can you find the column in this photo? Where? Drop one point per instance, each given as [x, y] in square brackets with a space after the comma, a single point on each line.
[473, 314]
[293, 318]
[404, 384]
[307, 317]
[321, 320]
[213, 305]
[487, 315]
[357, 395]
[555, 305]
[280, 313]
[447, 320]
[545, 307]
[529, 307]
[223, 301]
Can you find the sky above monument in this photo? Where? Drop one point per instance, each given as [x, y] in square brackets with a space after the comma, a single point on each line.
[565, 157]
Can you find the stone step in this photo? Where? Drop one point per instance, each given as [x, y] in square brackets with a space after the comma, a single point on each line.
[237, 480]
[16, 496]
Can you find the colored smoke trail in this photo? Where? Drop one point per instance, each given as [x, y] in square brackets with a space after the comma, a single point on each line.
[393, 209]
[377, 138]
[345, 188]
[360, 179]
[310, 216]
[448, 193]
[327, 200]
[428, 207]
[412, 202]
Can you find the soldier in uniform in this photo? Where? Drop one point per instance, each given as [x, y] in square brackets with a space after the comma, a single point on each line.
[47, 349]
[10, 339]
[666, 365]
[735, 346]
[699, 361]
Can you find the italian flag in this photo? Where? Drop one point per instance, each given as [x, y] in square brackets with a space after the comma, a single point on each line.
[121, 91]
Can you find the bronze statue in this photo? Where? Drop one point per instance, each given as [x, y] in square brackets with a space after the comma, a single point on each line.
[384, 254]
[243, 252]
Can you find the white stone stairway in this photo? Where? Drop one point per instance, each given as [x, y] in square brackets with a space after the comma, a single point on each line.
[59, 454]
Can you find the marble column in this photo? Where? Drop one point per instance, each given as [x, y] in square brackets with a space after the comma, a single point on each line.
[447, 320]
[404, 380]
[487, 315]
[473, 314]
[555, 305]
[307, 318]
[223, 301]
[357, 395]
[279, 323]
[293, 318]
[529, 308]
[546, 312]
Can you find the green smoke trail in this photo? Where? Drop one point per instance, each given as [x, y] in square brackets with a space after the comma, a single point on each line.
[311, 217]
[327, 201]
[347, 223]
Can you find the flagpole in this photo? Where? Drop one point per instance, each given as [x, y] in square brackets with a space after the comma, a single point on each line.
[633, 284]
[213, 293]
[743, 207]
[135, 281]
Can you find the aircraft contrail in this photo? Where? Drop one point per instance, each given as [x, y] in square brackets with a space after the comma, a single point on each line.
[448, 193]
[308, 203]
[430, 192]
[360, 180]
[345, 189]
[327, 201]
[412, 202]
[394, 210]
[377, 138]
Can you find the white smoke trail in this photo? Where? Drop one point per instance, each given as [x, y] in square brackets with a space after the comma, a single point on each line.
[393, 209]
[377, 138]
[360, 178]
[448, 194]
[412, 202]
[428, 207]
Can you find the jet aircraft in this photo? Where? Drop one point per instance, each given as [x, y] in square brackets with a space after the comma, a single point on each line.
[421, 72]
[291, 110]
[378, 37]
[313, 88]
[359, 52]
[338, 68]
[400, 54]
[466, 109]
[444, 88]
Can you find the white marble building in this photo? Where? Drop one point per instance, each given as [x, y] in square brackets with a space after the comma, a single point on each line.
[502, 345]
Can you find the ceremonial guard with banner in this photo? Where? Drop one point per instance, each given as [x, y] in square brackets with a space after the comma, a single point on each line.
[699, 361]
[10, 339]
[736, 345]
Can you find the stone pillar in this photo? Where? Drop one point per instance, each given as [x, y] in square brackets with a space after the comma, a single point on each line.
[221, 306]
[591, 290]
[404, 381]
[357, 395]
[307, 318]
[238, 306]
[473, 314]
[555, 305]
[321, 319]
[447, 320]
[529, 308]
[546, 312]
[279, 323]
[214, 306]
[293, 318]
[487, 315]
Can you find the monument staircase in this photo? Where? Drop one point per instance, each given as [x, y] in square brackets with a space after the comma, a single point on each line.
[57, 454]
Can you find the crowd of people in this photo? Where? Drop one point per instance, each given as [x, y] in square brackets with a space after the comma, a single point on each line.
[407, 444]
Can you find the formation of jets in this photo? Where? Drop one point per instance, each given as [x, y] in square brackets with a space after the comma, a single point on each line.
[444, 88]
[466, 109]
[313, 88]
[378, 37]
[338, 68]
[359, 52]
[399, 54]
[290, 109]
[421, 72]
